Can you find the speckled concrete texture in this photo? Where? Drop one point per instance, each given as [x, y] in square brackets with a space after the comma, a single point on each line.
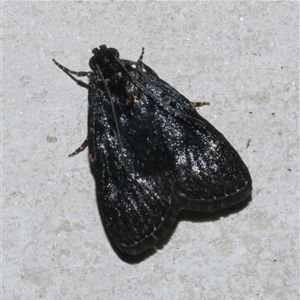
[242, 57]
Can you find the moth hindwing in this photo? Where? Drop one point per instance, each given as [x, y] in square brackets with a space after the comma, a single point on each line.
[151, 153]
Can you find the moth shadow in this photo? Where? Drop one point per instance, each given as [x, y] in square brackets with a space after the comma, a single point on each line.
[201, 217]
[184, 215]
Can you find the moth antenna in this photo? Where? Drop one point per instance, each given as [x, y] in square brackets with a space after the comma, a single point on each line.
[113, 112]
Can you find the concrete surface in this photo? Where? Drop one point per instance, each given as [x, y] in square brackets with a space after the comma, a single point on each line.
[242, 57]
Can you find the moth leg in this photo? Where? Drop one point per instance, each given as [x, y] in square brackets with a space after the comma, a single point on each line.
[198, 104]
[141, 56]
[81, 148]
[66, 70]
[139, 63]
[70, 72]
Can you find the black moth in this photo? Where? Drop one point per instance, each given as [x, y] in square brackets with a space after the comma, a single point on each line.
[151, 153]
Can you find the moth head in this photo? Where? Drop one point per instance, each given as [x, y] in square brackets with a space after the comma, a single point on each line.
[103, 57]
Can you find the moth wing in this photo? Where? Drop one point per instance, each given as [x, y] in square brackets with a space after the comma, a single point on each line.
[209, 173]
[134, 191]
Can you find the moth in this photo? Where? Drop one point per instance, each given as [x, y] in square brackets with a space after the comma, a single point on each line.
[151, 154]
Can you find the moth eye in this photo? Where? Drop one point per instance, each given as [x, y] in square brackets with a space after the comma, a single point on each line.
[114, 51]
[92, 63]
